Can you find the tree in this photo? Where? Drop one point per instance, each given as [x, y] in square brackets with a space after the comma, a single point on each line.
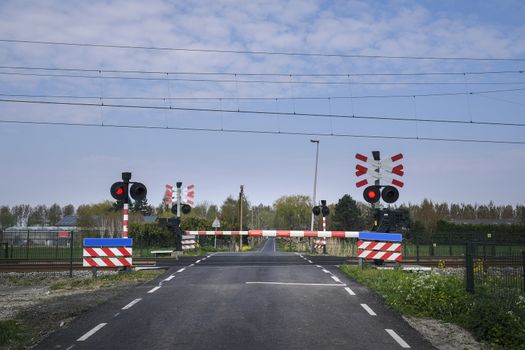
[54, 214]
[7, 219]
[230, 213]
[293, 212]
[347, 216]
[38, 216]
[68, 210]
[142, 207]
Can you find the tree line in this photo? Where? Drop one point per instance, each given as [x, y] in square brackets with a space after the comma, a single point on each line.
[290, 212]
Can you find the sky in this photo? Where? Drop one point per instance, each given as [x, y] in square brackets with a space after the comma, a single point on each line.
[182, 113]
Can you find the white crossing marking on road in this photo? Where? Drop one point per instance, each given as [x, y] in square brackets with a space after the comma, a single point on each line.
[351, 292]
[300, 284]
[336, 279]
[131, 304]
[154, 289]
[198, 261]
[397, 338]
[325, 271]
[369, 310]
[169, 278]
[181, 269]
[91, 332]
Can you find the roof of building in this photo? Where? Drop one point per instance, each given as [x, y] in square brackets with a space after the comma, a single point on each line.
[70, 220]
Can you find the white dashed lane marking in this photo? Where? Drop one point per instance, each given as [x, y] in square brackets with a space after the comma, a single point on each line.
[397, 338]
[180, 270]
[319, 266]
[336, 279]
[198, 261]
[169, 278]
[91, 332]
[369, 310]
[154, 289]
[326, 271]
[131, 304]
[351, 292]
[310, 261]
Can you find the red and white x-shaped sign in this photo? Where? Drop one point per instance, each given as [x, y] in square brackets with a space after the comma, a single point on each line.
[388, 170]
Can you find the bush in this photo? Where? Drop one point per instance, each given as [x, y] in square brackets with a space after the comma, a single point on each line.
[497, 319]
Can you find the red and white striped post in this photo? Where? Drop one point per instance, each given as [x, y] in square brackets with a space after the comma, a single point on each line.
[324, 238]
[125, 220]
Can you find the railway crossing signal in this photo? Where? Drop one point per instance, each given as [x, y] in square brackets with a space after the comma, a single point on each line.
[321, 209]
[378, 170]
[121, 192]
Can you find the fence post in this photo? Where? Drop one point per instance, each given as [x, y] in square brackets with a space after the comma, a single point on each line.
[449, 243]
[27, 245]
[417, 249]
[71, 241]
[523, 268]
[469, 266]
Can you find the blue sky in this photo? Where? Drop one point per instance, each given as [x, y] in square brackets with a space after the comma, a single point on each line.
[68, 164]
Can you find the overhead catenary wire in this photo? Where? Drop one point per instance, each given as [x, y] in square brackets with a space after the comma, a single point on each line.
[291, 74]
[262, 113]
[259, 81]
[261, 52]
[264, 132]
[263, 98]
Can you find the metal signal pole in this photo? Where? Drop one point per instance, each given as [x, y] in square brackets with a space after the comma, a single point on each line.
[241, 193]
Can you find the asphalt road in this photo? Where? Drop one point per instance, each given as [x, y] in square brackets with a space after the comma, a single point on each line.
[253, 300]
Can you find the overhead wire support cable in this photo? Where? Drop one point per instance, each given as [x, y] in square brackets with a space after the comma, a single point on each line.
[258, 81]
[342, 75]
[258, 112]
[264, 132]
[273, 98]
[260, 52]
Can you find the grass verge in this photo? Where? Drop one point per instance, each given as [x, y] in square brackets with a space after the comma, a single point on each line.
[497, 319]
[9, 330]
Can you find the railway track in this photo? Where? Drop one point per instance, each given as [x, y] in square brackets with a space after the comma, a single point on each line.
[23, 265]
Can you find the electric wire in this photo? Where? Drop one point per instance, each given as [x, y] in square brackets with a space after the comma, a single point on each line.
[265, 132]
[345, 75]
[258, 81]
[262, 113]
[261, 98]
[259, 52]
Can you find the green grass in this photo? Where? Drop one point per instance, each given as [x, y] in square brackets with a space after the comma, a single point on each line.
[131, 277]
[497, 318]
[9, 330]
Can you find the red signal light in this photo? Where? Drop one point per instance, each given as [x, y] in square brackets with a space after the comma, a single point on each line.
[120, 191]
[372, 194]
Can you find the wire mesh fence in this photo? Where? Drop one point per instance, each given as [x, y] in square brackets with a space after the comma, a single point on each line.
[494, 271]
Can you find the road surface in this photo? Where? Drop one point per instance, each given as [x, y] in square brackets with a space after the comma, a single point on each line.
[253, 300]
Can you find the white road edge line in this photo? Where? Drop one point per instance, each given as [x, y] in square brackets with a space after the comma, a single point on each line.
[180, 270]
[91, 332]
[310, 261]
[397, 338]
[154, 289]
[369, 310]
[191, 265]
[131, 304]
[300, 284]
[325, 271]
[319, 266]
[169, 278]
[71, 347]
[351, 292]
[198, 261]
[336, 279]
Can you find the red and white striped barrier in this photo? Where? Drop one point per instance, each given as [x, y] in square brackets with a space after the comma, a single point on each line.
[107, 257]
[387, 251]
[125, 221]
[279, 233]
[106, 262]
[113, 251]
[188, 242]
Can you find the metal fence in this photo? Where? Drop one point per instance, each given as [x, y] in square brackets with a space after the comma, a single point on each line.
[494, 271]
